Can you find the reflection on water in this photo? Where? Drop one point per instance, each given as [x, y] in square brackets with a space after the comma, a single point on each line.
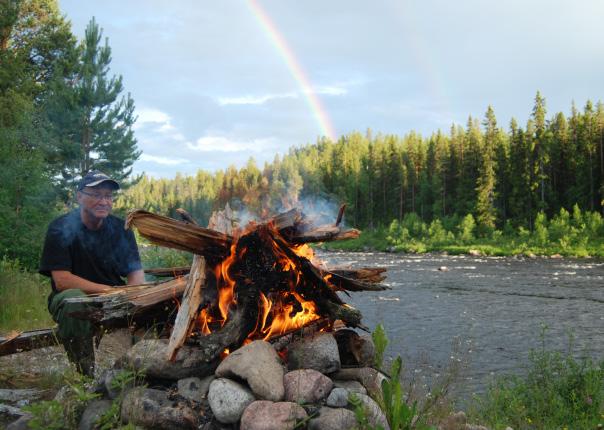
[494, 306]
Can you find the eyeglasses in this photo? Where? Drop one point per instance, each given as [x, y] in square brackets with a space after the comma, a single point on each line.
[99, 197]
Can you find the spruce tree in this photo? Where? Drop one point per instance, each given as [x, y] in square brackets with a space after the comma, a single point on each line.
[485, 188]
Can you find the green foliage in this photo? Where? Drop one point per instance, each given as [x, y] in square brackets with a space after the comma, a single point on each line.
[111, 419]
[466, 228]
[380, 340]
[558, 392]
[23, 297]
[399, 414]
[561, 235]
[64, 414]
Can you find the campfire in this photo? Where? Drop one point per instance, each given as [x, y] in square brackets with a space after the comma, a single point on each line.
[261, 281]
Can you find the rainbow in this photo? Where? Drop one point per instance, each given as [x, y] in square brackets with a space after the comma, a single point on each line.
[314, 103]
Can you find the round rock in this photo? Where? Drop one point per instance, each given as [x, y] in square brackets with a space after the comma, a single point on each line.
[228, 400]
[194, 389]
[265, 415]
[259, 365]
[151, 408]
[333, 419]
[319, 352]
[306, 386]
[150, 355]
[338, 398]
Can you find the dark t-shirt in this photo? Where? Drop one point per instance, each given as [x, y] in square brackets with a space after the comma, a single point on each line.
[103, 256]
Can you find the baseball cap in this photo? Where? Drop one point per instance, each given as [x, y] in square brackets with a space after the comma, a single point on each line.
[94, 178]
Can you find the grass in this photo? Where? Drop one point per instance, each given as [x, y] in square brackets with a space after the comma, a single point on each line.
[24, 299]
[557, 392]
[379, 240]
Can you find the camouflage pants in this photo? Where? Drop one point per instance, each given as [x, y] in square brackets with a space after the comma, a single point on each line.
[75, 334]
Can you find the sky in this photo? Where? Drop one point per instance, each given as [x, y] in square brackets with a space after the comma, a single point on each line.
[218, 82]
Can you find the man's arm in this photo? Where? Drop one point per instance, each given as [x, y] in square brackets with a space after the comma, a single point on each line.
[137, 277]
[65, 280]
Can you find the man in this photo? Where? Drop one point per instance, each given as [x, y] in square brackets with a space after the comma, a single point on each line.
[87, 251]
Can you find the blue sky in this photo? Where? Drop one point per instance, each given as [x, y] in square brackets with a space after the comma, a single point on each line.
[212, 89]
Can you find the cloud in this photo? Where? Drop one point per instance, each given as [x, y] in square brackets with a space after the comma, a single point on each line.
[163, 160]
[225, 144]
[254, 100]
[151, 116]
[339, 89]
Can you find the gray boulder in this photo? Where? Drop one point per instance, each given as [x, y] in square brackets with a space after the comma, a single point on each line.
[265, 415]
[195, 389]
[151, 408]
[150, 355]
[369, 377]
[92, 413]
[338, 398]
[319, 352]
[375, 415]
[20, 424]
[333, 419]
[228, 400]
[306, 386]
[259, 365]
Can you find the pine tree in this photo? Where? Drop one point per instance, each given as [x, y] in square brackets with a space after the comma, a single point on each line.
[92, 122]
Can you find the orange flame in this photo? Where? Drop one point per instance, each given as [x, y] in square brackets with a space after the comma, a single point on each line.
[278, 312]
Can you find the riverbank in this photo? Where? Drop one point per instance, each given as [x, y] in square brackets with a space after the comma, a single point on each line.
[382, 240]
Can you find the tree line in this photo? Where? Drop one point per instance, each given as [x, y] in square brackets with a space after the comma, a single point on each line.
[501, 176]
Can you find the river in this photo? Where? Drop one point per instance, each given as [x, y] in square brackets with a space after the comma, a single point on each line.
[484, 312]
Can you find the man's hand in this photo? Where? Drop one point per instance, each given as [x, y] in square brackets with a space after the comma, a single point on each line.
[65, 280]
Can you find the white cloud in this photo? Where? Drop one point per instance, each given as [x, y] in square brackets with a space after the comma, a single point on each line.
[254, 100]
[225, 144]
[331, 90]
[151, 116]
[163, 160]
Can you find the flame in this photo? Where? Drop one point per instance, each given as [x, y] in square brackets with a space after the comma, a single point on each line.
[278, 312]
[225, 293]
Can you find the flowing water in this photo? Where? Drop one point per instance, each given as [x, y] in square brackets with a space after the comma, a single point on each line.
[493, 309]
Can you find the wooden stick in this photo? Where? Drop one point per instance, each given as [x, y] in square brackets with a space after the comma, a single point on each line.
[189, 306]
[187, 312]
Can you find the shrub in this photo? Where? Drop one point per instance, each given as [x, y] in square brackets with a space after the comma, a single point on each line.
[540, 233]
[466, 228]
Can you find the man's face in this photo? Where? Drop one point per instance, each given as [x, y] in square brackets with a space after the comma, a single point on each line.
[96, 201]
